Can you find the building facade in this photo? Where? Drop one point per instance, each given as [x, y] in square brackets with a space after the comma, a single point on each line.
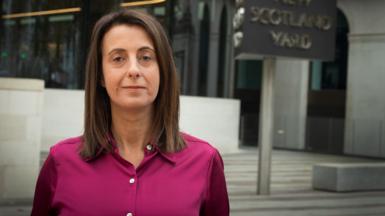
[338, 106]
[331, 107]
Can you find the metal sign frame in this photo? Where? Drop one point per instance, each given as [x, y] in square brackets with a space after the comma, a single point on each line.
[288, 28]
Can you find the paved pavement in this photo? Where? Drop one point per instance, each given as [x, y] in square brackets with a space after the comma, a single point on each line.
[291, 189]
[292, 194]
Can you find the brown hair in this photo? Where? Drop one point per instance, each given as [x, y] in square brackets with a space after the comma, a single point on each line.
[97, 122]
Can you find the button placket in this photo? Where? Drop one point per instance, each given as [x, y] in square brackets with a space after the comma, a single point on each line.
[132, 183]
[149, 147]
[132, 180]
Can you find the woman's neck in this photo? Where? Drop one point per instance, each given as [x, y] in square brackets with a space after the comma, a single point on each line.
[131, 129]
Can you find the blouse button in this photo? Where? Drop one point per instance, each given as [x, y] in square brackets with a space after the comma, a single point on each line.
[129, 214]
[149, 147]
[132, 181]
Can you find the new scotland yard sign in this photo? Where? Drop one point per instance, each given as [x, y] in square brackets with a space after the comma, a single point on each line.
[288, 28]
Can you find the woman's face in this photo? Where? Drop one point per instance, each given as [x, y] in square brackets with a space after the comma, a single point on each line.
[130, 67]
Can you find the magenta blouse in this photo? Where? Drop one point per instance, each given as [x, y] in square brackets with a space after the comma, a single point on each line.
[187, 183]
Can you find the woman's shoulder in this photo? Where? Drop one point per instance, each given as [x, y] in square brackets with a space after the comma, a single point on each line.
[66, 148]
[199, 152]
[198, 146]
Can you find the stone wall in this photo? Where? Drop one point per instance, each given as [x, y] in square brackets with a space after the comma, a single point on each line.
[20, 134]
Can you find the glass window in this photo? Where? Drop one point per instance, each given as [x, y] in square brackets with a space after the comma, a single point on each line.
[49, 39]
[40, 39]
[249, 74]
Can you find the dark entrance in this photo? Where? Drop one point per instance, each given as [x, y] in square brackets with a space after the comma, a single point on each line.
[327, 97]
[248, 90]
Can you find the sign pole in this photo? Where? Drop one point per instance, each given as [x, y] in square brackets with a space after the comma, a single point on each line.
[266, 127]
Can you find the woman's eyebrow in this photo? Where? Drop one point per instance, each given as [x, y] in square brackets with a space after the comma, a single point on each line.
[123, 50]
[116, 50]
[146, 48]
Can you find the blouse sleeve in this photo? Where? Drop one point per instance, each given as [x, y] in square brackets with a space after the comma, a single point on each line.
[45, 188]
[217, 201]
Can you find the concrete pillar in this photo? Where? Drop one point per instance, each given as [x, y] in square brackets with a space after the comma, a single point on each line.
[365, 105]
[291, 90]
[365, 101]
[20, 131]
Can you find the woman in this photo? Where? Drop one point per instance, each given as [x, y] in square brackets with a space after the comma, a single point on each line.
[132, 159]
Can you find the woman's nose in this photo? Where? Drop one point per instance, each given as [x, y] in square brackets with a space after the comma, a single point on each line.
[133, 70]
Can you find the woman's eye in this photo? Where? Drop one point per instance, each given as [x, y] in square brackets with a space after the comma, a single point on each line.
[146, 58]
[118, 59]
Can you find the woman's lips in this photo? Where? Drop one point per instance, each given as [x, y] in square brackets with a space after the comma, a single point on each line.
[133, 87]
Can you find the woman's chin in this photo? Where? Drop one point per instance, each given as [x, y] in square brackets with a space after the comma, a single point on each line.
[135, 105]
